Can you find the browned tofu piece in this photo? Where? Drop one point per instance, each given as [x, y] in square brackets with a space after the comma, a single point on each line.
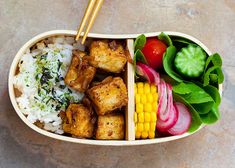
[79, 121]
[110, 126]
[108, 95]
[108, 56]
[80, 73]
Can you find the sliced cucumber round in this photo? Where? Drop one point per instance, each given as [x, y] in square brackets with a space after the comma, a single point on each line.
[190, 61]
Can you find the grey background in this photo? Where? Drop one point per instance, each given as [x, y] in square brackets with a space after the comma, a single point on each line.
[211, 21]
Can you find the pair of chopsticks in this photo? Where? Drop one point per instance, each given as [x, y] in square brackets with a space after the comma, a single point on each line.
[95, 6]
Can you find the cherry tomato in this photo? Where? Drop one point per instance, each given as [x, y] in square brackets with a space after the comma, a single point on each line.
[153, 51]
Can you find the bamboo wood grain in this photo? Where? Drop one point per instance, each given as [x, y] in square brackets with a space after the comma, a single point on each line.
[92, 9]
[130, 125]
[85, 18]
[93, 16]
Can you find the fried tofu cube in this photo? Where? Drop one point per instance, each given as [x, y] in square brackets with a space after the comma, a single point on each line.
[79, 121]
[108, 56]
[110, 126]
[109, 95]
[80, 73]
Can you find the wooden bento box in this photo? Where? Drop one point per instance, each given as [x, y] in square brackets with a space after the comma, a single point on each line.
[129, 76]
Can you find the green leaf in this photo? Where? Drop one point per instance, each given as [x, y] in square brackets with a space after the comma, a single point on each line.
[220, 75]
[211, 70]
[203, 108]
[139, 56]
[197, 94]
[184, 41]
[212, 116]
[214, 93]
[181, 88]
[213, 78]
[213, 73]
[168, 62]
[215, 59]
[196, 120]
[140, 42]
[165, 38]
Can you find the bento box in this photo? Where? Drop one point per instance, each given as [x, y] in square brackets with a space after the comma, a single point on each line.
[120, 84]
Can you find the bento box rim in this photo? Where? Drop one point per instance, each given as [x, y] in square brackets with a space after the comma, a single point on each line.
[41, 36]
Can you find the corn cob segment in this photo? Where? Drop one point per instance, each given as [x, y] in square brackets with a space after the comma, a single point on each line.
[145, 116]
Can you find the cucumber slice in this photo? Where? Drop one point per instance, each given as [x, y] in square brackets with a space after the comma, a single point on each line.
[190, 61]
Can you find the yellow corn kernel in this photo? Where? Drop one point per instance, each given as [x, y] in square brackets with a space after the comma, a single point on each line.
[143, 99]
[140, 127]
[135, 117]
[147, 107]
[140, 90]
[151, 134]
[146, 98]
[140, 85]
[154, 107]
[137, 135]
[153, 89]
[137, 98]
[152, 126]
[141, 117]
[135, 89]
[147, 117]
[144, 135]
[149, 98]
[155, 97]
[146, 126]
[146, 88]
[153, 116]
[139, 107]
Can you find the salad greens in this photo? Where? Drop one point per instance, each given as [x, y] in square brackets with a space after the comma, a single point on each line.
[212, 116]
[213, 71]
[138, 45]
[193, 74]
[165, 38]
[201, 95]
[140, 42]
[183, 42]
[168, 63]
[196, 96]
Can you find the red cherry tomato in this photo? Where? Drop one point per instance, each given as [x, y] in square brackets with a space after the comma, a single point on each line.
[153, 51]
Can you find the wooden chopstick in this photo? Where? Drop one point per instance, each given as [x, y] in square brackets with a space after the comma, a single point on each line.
[85, 17]
[97, 7]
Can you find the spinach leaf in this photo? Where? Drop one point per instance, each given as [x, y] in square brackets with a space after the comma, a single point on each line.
[207, 76]
[165, 38]
[212, 116]
[196, 120]
[203, 108]
[184, 41]
[220, 75]
[168, 62]
[201, 101]
[197, 94]
[214, 93]
[181, 88]
[213, 78]
[140, 42]
[213, 73]
[139, 56]
[215, 59]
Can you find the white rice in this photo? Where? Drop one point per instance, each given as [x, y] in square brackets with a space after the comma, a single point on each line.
[40, 80]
